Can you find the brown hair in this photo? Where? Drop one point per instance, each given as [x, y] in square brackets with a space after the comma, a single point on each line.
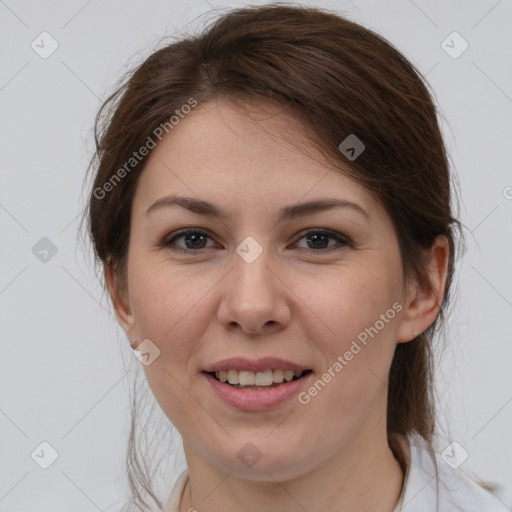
[340, 79]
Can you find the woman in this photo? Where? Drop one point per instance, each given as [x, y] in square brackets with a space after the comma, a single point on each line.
[272, 210]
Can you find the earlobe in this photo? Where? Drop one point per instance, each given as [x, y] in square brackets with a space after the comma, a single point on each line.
[119, 301]
[423, 304]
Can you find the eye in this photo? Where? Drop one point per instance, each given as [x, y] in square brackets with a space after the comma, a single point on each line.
[195, 240]
[319, 237]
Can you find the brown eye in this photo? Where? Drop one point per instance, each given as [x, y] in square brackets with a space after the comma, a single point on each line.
[318, 240]
[192, 238]
[195, 240]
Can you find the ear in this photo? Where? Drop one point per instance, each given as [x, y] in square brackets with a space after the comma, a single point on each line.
[421, 306]
[119, 296]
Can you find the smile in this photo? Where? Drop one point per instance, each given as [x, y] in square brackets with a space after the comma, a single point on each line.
[245, 379]
[234, 387]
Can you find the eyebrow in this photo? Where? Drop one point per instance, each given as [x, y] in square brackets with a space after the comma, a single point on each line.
[285, 213]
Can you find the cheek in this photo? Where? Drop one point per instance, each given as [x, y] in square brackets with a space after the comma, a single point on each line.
[164, 299]
[169, 312]
[342, 304]
[353, 319]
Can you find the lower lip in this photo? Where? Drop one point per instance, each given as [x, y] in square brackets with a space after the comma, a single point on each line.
[257, 400]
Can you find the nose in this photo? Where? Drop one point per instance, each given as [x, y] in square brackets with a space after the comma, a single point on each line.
[253, 297]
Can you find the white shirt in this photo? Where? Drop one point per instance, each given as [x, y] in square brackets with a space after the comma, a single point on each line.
[451, 491]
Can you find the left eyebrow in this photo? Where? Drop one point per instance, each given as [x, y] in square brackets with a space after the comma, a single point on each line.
[292, 211]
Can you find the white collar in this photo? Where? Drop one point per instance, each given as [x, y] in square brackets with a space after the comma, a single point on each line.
[430, 485]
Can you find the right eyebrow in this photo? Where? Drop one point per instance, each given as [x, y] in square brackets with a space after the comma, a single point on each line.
[292, 211]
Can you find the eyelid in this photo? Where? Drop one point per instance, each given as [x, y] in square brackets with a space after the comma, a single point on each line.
[168, 240]
[342, 240]
[340, 237]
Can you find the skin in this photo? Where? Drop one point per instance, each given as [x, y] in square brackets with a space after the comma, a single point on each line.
[207, 305]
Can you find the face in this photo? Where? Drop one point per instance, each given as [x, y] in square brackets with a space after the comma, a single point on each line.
[319, 289]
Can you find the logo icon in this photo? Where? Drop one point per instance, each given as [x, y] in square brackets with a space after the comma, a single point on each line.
[44, 45]
[249, 249]
[44, 250]
[454, 455]
[249, 454]
[146, 352]
[454, 45]
[352, 147]
[44, 455]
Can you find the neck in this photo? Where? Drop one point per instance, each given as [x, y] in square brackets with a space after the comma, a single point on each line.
[362, 477]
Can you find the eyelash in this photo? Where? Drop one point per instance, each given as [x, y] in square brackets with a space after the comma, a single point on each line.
[343, 241]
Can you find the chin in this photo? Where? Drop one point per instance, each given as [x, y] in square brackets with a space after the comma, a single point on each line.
[262, 462]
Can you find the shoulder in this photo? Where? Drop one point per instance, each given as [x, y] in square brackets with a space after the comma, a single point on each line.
[433, 485]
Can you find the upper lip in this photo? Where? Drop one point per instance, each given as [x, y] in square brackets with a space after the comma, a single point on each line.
[255, 365]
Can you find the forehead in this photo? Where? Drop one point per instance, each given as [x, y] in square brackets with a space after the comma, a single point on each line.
[253, 157]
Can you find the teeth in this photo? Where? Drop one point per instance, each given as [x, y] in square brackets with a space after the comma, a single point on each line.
[248, 378]
[265, 378]
[288, 375]
[278, 376]
[232, 376]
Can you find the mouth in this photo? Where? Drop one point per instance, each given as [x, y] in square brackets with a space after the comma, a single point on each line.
[256, 384]
[258, 381]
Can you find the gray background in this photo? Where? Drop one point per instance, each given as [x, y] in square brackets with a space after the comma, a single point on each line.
[63, 378]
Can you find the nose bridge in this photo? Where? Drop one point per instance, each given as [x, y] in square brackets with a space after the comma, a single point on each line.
[253, 279]
[252, 296]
